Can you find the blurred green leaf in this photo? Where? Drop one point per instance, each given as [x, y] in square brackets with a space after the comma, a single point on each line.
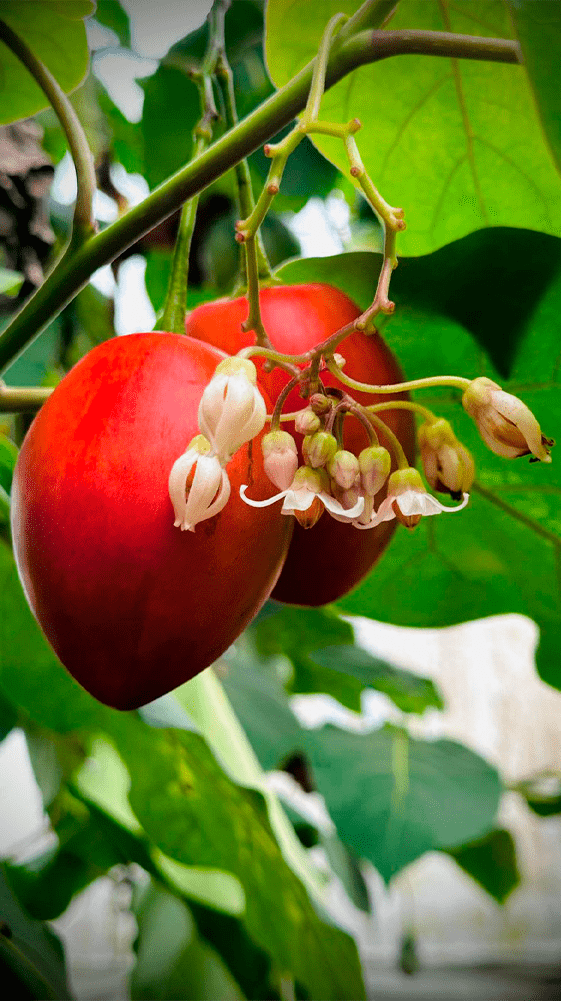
[542, 793]
[491, 862]
[262, 707]
[45, 764]
[281, 629]
[112, 15]
[392, 797]
[31, 676]
[8, 718]
[171, 111]
[31, 956]
[346, 867]
[10, 281]
[195, 814]
[8, 456]
[409, 692]
[56, 35]
[538, 26]
[172, 962]
[458, 143]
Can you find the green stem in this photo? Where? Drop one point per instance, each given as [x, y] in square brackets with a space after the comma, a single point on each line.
[246, 203]
[416, 408]
[73, 272]
[393, 442]
[173, 317]
[22, 399]
[317, 88]
[84, 222]
[372, 14]
[400, 387]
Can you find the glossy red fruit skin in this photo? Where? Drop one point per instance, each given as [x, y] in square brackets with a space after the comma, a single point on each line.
[328, 560]
[133, 606]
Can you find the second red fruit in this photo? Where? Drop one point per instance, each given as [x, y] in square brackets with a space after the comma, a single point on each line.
[328, 560]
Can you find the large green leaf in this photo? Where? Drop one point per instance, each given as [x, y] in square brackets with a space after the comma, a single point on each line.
[483, 561]
[196, 815]
[538, 26]
[457, 143]
[56, 35]
[392, 798]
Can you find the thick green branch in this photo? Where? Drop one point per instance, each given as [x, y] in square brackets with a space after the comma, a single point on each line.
[74, 271]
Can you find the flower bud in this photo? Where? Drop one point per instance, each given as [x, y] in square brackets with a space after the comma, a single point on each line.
[506, 424]
[449, 467]
[319, 448]
[320, 404]
[307, 422]
[347, 496]
[375, 463]
[232, 410]
[198, 486]
[344, 469]
[280, 458]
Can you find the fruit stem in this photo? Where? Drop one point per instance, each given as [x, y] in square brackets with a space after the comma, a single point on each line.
[84, 224]
[22, 399]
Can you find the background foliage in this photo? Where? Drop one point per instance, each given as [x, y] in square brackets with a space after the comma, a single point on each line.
[225, 905]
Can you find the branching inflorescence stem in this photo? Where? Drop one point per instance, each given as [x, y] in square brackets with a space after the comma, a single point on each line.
[352, 51]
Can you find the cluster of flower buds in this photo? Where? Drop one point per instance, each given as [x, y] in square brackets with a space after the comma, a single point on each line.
[231, 413]
[335, 480]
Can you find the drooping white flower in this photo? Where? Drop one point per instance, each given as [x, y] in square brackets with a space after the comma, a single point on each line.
[198, 485]
[307, 498]
[507, 426]
[232, 410]
[408, 501]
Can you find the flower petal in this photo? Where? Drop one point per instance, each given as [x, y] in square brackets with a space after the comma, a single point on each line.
[339, 512]
[262, 503]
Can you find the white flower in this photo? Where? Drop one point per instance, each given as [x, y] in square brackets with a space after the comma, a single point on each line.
[232, 410]
[198, 486]
[408, 501]
[307, 497]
